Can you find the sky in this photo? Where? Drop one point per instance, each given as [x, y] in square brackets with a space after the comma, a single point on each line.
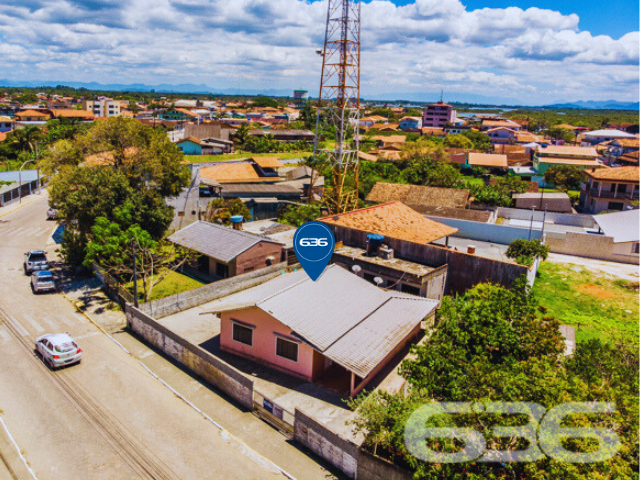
[533, 52]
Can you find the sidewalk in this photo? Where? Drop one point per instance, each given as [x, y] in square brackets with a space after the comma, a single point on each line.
[7, 209]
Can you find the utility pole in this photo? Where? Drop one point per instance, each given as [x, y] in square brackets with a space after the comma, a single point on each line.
[135, 273]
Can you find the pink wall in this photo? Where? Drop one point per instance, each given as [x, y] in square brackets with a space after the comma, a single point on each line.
[264, 342]
[255, 257]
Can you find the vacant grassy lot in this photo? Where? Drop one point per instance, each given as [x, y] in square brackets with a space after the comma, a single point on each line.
[596, 305]
[242, 155]
[173, 283]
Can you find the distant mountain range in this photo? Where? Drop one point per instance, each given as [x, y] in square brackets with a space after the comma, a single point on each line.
[452, 97]
[603, 104]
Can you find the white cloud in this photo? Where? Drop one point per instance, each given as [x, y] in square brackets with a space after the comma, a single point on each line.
[424, 46]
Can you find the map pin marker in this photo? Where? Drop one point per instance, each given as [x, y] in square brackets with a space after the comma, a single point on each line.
[313, 243]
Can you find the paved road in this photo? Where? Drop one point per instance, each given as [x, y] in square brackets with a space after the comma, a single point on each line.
[107, 418]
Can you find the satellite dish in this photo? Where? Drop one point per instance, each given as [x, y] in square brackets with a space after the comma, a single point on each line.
[378, 281]
[356, 269]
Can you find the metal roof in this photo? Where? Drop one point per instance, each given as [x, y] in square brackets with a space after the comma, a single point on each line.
[216, 241]
[622, 226]
[341, 315]
[14, 175]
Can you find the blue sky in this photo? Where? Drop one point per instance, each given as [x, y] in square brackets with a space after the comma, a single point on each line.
[508, 51]
[613, 18]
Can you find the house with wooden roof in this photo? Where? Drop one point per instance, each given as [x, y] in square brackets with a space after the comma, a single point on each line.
[6, 124]
[628, 159]
[31, 116]
[393, 220]
[73, 114]
[255, 170]
[418, 196]
[610, 189]
[339, 328]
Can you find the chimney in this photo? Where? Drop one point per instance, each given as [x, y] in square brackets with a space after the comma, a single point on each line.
[236, 222]
[471, 249]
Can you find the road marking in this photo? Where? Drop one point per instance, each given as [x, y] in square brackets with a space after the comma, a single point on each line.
[67, 320]
[5, 335]
[86, 335]
[52, 324]
[146, 354]
[33, 323]
[23, 331]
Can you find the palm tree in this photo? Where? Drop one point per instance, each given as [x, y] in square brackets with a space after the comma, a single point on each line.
[242, 134]
[24, 139]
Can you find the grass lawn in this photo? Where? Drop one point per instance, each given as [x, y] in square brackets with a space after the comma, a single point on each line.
[173, 283]
[597, 306]
[243, 155]
[473, 180]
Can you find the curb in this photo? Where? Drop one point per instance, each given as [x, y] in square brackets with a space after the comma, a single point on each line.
[225, 434]
[20, 205]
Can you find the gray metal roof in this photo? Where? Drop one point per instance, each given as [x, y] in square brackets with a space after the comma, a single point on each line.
[346, 318]
[216, 241]
[252, 190]
[14, 175]
[622, 226]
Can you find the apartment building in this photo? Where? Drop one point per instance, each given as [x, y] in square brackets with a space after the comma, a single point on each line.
[103, 107]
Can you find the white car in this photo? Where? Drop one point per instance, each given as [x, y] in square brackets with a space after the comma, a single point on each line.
[42, 281]
[58, 350]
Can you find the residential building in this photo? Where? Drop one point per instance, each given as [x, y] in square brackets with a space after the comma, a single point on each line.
[598, 136]
[410, 123]
[417, 196]
[256, 170]
[208, 131]
[438, 115]
[314, 330]
[226, 252]
[628, 159]
[488, 124]
[436, 132]
[624, 229]
[550, 201]
[6, 124]
[33, 116]
[485, 160]
[610, 189]
[211, 146]
[620, 146]
[580, 157]
[501, 135]
[180, 114]
[103, 107]
[73, 114]
[286, 135]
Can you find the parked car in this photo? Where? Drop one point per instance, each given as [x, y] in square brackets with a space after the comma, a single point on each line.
[58, 350]
[52, 214]
[35, 260]
[42, 281]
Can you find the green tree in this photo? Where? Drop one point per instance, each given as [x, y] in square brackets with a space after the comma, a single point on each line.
[498, 344]
[113, 249]
[433, 174]
[565, 177]
[261, 102]
[297, 215]
[481, 141]
[526, 251]
[241, 135]
[308, 116]
[220, 211]
[561, 134]
[458, 141]
[24, 139]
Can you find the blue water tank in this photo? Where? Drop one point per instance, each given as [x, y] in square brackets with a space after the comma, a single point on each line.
[374, 240]
[237, 219]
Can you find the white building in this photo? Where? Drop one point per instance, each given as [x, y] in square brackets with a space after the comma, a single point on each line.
[103, 107]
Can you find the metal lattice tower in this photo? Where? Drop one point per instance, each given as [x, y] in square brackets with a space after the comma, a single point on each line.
[339, 102]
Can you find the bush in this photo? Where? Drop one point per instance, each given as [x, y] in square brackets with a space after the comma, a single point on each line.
[526, 251]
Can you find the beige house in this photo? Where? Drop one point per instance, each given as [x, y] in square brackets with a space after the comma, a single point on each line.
[610, 189]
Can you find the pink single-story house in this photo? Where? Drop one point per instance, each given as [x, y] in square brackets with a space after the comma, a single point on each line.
[340, 328]
[501, 135]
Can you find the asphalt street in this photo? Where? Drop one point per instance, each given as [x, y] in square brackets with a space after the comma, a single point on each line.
[106, 418]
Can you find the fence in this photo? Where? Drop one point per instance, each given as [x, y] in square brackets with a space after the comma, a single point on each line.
[572, 219]
[112, 287]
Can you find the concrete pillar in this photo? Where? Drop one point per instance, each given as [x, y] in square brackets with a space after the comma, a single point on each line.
[353, 383]
[615, 190]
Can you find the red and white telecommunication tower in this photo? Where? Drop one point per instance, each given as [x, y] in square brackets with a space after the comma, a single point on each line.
[339, 103]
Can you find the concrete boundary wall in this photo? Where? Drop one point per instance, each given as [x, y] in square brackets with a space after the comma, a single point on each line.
[199, 361]
[326, 444]
[572, 219]
[371, 467]
[488, 232]
[192, 298]
[587, 245]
